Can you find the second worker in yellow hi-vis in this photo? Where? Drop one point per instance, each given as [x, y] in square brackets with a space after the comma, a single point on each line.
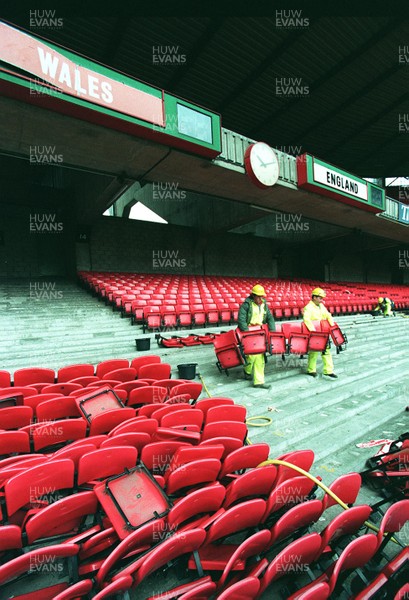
[316, 311]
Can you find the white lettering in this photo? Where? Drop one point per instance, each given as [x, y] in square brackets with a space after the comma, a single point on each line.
[93, 84]
[48, 63]
[107, 92]
[50, 66]
[78, 88]
[65, 76]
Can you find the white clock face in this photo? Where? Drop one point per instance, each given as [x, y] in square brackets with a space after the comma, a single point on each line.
[264, 164]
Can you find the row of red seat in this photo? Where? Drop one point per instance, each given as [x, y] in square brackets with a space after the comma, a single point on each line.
[119, 369]
[184, 301]
[216, 288]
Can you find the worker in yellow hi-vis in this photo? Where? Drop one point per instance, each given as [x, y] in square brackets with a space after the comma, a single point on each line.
[384, 307]
[255, 311]
[316, 311]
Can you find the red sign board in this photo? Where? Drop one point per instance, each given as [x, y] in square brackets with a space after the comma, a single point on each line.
[33, 56]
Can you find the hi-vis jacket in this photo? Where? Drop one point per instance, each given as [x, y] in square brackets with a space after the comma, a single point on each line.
[251, 314]
[312, 312]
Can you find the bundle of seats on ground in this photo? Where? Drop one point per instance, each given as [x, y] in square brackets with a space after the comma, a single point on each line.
[170, 301]
[109, 474]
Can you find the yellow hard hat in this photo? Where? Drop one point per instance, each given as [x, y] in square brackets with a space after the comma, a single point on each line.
[380, 299]
[318, 292]
[258, 290]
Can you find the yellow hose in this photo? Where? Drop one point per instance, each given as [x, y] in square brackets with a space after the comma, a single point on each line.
[276, 461]
[204, 385]
[262, 418]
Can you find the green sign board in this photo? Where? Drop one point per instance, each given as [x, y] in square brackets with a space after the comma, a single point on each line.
[317, 176]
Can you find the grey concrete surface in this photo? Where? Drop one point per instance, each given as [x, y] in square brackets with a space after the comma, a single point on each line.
[62, 324]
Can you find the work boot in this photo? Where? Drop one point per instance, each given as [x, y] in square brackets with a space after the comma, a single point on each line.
[331, 375]
[312, 374]
[247, 376]
[263, 386]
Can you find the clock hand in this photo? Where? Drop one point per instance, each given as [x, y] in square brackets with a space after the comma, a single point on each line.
[261, 162]
[269, 163]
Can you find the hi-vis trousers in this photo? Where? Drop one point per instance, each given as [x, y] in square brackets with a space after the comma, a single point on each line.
[328, 365]
[255, 366]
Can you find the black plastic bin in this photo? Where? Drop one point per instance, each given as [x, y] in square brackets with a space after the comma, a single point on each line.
[187, 371]
[143, 344]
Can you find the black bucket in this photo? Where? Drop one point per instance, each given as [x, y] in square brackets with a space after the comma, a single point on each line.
[143, 344]
[187, 371]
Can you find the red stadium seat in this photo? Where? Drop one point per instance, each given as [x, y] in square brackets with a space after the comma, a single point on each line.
[64, 516]
[109, 365]
[57, 408]
[233, 429]
[194, 389]
[61, 388]
[191, 474]
[106, 421]
[152, 394]
[154, 371]
[37, 481]
[123, 375]
[226, 412]
[15, 417]
[136, 439]
[74, 371]
[57, 432]
[5, 379]
[156, 456]
[246, 457]
[255, 483]
[104, 462]
[147, 359]
[14, 442]
[27, 376]
[29, 568]
[246, 589]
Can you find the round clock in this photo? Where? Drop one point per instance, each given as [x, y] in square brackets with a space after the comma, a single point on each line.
[261, 164]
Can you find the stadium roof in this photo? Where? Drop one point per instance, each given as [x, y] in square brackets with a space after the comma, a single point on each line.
[303, 81]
